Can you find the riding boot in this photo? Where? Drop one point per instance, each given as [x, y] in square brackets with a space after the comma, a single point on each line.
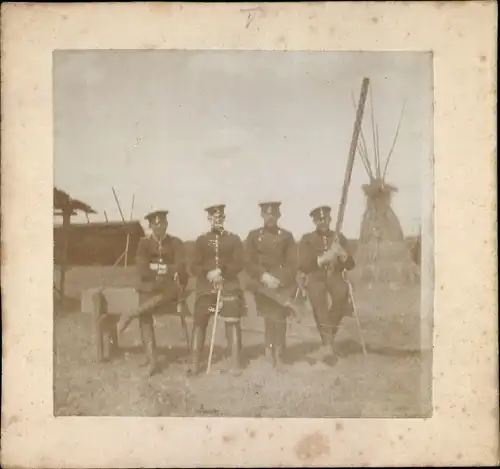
[279, 343]
[149, 343]
[228, 329]
[109, 338]
[268, 338]
[198, 342]
[336, 320]
[151, 354]
[235, 347]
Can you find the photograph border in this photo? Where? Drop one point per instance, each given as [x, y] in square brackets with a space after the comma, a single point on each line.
[464, 424]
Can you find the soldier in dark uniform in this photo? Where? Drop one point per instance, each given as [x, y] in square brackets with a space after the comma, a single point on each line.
[323, 258]
[218, 260]
[162, 273]
[271, 263]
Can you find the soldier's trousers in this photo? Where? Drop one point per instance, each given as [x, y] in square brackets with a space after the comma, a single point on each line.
[274, 321]
[231, 312]
[328, 317]
[147, 330]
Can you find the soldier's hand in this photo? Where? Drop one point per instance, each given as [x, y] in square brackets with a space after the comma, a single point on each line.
[333, 253]
[214, 276]
[326, 257]
[270, 281]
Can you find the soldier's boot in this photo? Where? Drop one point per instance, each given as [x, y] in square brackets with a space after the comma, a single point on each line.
[336, 320]
[333, 346]
[269, 354]
[269, 339]
[279, 355]
[149, 343]
[152, 358]
[109, 338]
[197, 344]
[279, 341]
[110, 343]
[233, 331]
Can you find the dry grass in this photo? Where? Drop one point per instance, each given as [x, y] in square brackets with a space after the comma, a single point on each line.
[387, 387]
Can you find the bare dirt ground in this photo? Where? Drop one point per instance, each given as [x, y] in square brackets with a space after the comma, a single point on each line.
[386, 385]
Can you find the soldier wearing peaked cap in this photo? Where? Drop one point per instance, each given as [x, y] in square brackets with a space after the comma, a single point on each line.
[162, 274]
[217, 261]
[323, 258]
[271, 264]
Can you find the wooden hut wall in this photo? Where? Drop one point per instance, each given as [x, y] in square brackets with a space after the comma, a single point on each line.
[97, 244]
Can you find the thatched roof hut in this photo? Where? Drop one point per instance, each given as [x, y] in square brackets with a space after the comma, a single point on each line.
[382, 253]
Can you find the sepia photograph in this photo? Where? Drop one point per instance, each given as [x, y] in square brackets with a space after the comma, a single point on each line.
[238, 233]
[272, 240]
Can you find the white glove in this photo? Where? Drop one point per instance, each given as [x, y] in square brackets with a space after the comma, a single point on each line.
[270, 281]
[334, 252]
[214, 276]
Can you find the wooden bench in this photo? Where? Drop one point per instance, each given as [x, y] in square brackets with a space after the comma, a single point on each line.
[107, 304]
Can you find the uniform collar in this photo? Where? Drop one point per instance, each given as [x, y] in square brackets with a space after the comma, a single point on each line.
[159, 240]
[328, 232]
[275, 230]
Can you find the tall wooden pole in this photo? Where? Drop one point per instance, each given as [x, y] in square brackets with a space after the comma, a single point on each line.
[128, 233]
[352, 154]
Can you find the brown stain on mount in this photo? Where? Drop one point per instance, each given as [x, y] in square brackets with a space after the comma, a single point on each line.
[312, 446]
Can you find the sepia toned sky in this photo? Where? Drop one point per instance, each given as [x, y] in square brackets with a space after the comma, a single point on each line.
[183, 130]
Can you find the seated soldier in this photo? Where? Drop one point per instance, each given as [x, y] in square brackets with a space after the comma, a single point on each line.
[162, 276]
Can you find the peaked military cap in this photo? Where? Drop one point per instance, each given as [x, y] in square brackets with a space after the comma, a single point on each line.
[156, 216]
[320, 212]
[270, 207]
[216, 210]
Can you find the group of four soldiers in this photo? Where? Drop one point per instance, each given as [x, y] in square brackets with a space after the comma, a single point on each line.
[271, 260]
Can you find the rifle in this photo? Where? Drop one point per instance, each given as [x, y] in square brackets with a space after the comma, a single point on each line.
[352, 154]
[349, 167]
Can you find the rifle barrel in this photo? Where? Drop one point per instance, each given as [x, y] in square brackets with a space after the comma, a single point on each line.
[352, 154]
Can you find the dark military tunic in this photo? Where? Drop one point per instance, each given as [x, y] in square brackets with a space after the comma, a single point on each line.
[273, 251]
[161, 267]
[224, 251]
[312, 245]
[321, 282]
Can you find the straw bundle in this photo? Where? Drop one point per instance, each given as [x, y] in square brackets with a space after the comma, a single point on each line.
[379, 220]
[384, 262]
[382, 255]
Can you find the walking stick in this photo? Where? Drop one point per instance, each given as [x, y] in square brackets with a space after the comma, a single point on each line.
[212, 341]
[355, 312]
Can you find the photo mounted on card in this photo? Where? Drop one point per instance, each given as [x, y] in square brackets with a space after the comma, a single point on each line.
[272, 237]
[239, 231]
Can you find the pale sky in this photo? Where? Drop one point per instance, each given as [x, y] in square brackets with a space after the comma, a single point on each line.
[186, 129]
